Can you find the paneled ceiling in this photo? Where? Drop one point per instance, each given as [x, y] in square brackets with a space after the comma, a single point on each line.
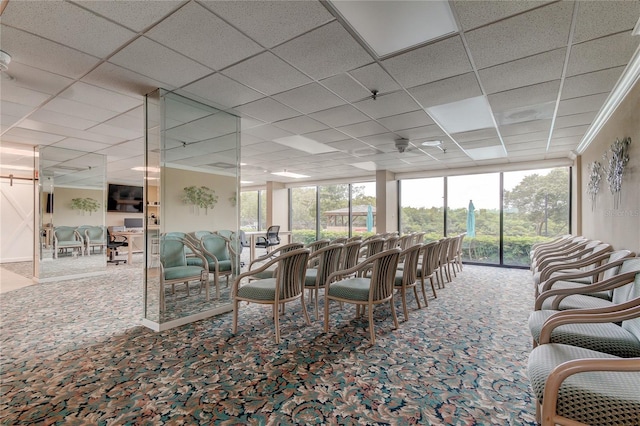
[521, 80]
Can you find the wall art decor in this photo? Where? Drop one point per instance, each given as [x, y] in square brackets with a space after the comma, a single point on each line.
[85, 205]
[201, 197]
[593, 185]
[615, 161]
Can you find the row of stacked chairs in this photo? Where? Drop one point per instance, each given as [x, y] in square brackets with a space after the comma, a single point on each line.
[584, 368]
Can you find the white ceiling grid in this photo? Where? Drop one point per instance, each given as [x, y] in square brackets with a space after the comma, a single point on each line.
[81, 68]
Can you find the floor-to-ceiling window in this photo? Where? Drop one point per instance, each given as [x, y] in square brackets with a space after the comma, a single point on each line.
[334, 211]
[422, 207]
[536, 208]
[473, 206]
[303, 214]
[249, 211]
[363, 209]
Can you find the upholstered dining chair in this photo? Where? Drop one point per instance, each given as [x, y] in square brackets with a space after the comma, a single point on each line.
[215, 249]
[175, 269]
[371, 247]
[286, 285]
[317, 245]
[339, 240]
[363, 291]
[577, 386]
[427, 268]
[407, 277]
[67, 237]
[350, 254]
[95, 236]
[323, 262]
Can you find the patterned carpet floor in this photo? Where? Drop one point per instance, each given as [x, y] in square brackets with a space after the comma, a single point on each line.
[73, 352]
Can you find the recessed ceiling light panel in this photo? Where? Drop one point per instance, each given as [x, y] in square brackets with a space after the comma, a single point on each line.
[290, 175]
[463, 116]
[305, 144]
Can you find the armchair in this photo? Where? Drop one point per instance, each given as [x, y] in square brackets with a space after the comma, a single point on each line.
[322, 263]
[408, 276]
[95, 236]
[66, 237]
[175, 269]
[216, 251]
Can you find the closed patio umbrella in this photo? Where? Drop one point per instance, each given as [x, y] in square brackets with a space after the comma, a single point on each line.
[369, 218]
[471, 220]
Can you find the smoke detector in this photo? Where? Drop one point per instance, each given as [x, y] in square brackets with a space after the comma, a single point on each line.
[5, 58]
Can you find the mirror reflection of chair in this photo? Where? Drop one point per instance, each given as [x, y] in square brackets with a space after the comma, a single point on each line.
[287, 285]
[114, 242]
[271, 239]
[67, 237]
[95, 236]
[175, 269]
[215, 249]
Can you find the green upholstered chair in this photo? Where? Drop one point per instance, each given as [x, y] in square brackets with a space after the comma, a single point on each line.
[219, 263]
[95, 236]
[322, 262]
[226, 233]
[67, 237]
[259, 261]
[407, 277]
[578, 386]
[175, 269]
[369, 291]
[427, 268]
[81, 230]
[286, 285]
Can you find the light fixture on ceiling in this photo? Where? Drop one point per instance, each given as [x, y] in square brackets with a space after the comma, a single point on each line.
[431, 143]
[636, 29]
[149, 169]
[5, 59]
[285, 173]
[246, 181]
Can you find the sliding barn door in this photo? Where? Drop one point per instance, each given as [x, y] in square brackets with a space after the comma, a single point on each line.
[16, 221]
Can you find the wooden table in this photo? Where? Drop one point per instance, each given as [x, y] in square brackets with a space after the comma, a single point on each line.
[130, 235]
[253, 236]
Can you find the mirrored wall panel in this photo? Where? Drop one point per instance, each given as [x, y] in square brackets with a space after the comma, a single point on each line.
[191, 210]
[72, 233]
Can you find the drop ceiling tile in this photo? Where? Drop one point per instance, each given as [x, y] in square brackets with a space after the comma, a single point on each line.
[267, 110]
[309, 98]
[373, 77]
[99, 36]
[30, 137]
[223, 91]
[481, 143]
[132, 120]
[527, 138]
[136, 15]
[582, 104]
[575, 120]
[79, 109]
[525, 96]
[300, 125]
[20, 95]
[532, 32]
[448, 90]
[406, 120]
[118, 132]
[200, 35]
[52, 117]
[339, 116]
[279, 21]
[54, 129]
[366, 128]
[123, 150]
[591, 83]
[600, 18]
[39, 53]
[150, 59]
[346, 86]
[89, 146]
[424, 132]
[476, 135]
[122, 80]
[570, 131]
[602, 53]
[268, 132]
[99, 97]
[267, 74]
[334, 51]
[14, 109]
[436, 61]
[473, 14]
[326, 136]
[387, 105]
[527, 127]
[570, 141]
[528, 71]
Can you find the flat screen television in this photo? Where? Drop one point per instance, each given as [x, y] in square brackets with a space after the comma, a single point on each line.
[125, 199]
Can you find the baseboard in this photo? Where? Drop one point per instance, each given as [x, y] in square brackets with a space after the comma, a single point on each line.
[186, 320]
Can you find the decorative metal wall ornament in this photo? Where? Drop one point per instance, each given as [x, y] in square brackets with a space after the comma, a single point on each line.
[200, 196]
[614, 167]
[593, 186]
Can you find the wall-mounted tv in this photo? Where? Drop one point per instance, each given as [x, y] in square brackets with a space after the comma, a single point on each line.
[125, 199]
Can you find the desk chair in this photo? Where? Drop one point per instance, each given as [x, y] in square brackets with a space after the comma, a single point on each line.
[272, 238]
[113, 244]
